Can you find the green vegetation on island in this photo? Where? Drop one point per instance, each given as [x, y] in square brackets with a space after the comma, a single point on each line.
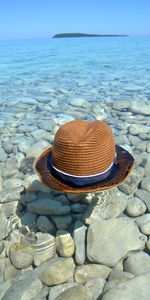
[70, 35]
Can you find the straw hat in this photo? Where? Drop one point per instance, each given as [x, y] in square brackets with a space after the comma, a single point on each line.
[84, 158]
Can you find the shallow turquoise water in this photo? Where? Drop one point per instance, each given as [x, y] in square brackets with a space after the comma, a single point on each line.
[93, 68]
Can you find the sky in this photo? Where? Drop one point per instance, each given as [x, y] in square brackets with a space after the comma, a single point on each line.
[23, 19]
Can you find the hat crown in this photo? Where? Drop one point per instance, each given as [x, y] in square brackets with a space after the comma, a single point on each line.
[83, 148]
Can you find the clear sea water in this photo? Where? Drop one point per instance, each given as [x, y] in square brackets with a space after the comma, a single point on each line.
[94, 69]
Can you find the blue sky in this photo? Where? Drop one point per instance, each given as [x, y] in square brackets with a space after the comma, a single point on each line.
[44, 18]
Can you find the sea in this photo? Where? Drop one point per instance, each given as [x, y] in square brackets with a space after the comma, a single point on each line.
[44, 84]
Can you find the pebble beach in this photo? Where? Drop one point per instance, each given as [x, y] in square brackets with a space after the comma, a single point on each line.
[54, 245]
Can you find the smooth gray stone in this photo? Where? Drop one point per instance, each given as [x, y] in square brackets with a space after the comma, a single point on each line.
[115, 277]
[145, 184]
[87, 272]
[95, 287]
[43, 294]
[8, 147]
[143, 109]
[135, 207]
[107, 204]
[137, 288]
[75, 293]
[21, 255]
[78, 208]
[28, 219]
[56, 271]
[147, 166]
[58, 289]
[7, 196]
[48, 207]
[44, 224]
[104, 236]
[62, 222]
[132, 182]
[40, 134]
[79, 235]
[119, 105]
[4, 286]
[64, 243]
[145, 196]
[137, 263]
[3, 155]
[136, 129]
[26, 165]
[24, 288]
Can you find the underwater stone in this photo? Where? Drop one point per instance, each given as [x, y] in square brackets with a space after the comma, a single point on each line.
[64, 243]
[44, 248]
[137, 263]
[79, 235]
[25, 287]
[44, 224]
[135, 207]
[101, 232]
[56, 271]
[49, 207]
[90, 271]
[21, 255]
[27, 165]
[75, 293]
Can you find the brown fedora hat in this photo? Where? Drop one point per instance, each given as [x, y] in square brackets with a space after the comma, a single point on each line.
[84, 158]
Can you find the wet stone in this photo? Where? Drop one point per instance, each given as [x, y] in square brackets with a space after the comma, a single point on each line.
[62, 222]
[90, 271]
[58, 289]
[25, 287]
[95, 287]
[101, 250]
[3, 155]
[27, 165]
[48, 207]
[44, 224]
[144, 196]
[4, 286]
[44, 248]
[145, 184]
[21, 255]
[138, 285]
[105, 205]
[132, 182]
[135, 207]
[79, 235]
[75, 293]
[64, 243]
[137, 263]
[56, 271]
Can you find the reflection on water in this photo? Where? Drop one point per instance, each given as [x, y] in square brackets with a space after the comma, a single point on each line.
[44, 84]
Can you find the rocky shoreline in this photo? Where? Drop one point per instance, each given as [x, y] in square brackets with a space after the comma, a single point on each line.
[65, 246]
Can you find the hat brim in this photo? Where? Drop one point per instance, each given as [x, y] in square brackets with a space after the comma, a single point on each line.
[124, 159]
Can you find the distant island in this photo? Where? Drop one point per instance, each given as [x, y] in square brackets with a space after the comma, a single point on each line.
[70, 35]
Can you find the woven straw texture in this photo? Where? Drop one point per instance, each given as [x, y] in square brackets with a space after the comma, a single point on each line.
[74, 140]
[83, 148]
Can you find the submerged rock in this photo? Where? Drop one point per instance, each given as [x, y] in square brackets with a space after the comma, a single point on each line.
[79, 235]
[48, 207]
[137, 263]
[64, 243]
[90, 271]
[21, 255]
[130, 289]
[104, 236]
[25, 287]
[56, 271]
[75, 293]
